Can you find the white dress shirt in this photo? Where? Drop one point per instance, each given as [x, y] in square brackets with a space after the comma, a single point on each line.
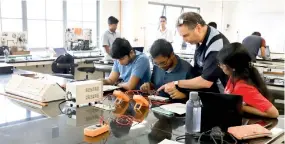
[166, 34]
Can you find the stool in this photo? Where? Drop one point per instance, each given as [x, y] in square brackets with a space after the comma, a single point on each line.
[103, 68]
[87, 70]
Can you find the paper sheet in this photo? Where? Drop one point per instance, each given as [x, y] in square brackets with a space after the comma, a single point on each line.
[177, 108]
[166, 141]
[109, 87]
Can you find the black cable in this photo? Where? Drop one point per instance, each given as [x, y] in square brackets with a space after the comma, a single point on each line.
[59, 106]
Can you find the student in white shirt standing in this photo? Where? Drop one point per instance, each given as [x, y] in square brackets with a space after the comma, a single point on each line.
[164, 32]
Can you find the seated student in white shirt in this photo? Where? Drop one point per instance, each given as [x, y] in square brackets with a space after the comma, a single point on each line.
[163, 32]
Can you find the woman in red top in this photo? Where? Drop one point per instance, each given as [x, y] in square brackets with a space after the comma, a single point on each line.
[245, 80]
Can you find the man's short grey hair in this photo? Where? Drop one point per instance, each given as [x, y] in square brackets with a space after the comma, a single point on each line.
[190, 19]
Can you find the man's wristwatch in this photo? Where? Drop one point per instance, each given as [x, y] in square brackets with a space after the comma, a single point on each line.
[176, 83]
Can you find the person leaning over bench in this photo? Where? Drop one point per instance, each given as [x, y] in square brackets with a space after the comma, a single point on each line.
[167, 67]
[130, 65]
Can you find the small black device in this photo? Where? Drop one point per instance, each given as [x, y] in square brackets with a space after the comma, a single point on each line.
[6, 68]
[220, 110]
[140, 49]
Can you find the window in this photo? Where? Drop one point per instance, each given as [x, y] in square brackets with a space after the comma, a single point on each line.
[154, 12]
[82, 14]
[44, 19]
[11, 15]
[45, 23]
[11, 9]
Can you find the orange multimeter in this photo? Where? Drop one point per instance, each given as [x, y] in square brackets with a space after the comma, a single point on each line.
[96, 130]
[98, 138]
[120, 97]
[140, 101]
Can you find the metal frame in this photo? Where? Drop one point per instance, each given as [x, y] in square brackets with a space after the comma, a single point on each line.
[173, 5]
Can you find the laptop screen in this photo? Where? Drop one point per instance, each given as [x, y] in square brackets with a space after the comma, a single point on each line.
[60, 51]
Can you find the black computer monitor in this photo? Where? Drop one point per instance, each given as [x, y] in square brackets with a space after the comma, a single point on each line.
[140, 49]
[222, 110]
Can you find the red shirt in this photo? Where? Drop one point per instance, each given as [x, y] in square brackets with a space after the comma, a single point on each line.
[251, 96]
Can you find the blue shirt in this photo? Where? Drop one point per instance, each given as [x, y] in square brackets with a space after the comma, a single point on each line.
[183, 70]
[139, 67]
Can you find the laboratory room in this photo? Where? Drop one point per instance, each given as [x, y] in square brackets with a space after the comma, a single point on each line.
[142, 71]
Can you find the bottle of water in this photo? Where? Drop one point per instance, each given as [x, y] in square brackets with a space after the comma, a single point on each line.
[193, 113]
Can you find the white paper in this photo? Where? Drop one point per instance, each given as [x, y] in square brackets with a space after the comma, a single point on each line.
[109, 88]
[177, 108]
[166, 141]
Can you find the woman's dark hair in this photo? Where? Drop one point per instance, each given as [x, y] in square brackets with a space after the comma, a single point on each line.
[236, 56]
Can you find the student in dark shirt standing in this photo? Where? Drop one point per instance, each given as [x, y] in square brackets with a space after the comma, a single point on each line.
[210, 41]
[168, 67]
[254, 43]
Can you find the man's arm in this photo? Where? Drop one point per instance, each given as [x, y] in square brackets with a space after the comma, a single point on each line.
[107, 49]
[131, 84]
[139, 70]
[262, 48]
[106, 43]
[195, 83]
[211, 72]
[114, 76]
[112, 79]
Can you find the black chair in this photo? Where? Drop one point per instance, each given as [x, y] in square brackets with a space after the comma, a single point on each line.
[87, 70]
[104, 69]
[64, 66]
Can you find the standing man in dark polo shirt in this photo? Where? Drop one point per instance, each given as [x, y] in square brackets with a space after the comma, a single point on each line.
[167, 67]
[254, 43]
[210, 41]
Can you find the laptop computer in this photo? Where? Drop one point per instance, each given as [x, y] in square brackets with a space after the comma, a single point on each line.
[222, 110]
[60, 51]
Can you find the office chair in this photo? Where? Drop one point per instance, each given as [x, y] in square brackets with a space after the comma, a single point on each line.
[64, 66]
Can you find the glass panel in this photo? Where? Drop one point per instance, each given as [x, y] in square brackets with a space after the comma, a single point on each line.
[54, 9]
[74, 10]
[190, 10]
[172, 14]
[36, 33]
[12, 25]
[36, 9]
[73, 24]
[11, 8]
[54, 34]
[154, 12]
[89, 10]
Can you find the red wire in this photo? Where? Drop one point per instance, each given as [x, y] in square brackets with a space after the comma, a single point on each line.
[128, 119]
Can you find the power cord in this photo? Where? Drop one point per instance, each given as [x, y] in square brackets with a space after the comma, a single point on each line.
[216, 134]
[60, 105]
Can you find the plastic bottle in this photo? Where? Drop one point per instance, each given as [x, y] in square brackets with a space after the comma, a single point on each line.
[193, 113]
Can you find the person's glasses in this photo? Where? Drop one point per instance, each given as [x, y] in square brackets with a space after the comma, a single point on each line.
[161, 64]
[162, 21]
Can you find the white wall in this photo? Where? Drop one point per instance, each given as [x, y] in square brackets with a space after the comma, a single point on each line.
[242, 16]
[265, 16]
[108, 8]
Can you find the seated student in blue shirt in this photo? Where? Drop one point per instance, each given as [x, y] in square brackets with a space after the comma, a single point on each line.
[167, 67]
[130, 65]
